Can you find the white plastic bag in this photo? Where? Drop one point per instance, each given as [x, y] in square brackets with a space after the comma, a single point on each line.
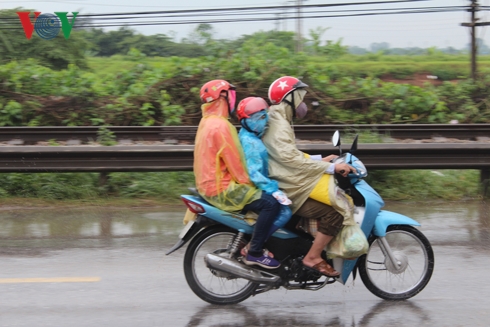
[349, 243]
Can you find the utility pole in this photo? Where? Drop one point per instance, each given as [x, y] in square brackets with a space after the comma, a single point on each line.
[474, 7]
[474, 50]
[484, 173]
[278, 21]
[285, 20]
[299, 36]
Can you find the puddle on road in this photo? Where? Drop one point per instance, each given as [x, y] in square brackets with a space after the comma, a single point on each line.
[441, 222]
[465, 223]
[38, 232]
[87, 223]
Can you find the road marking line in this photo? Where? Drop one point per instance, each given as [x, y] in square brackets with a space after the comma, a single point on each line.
[50, 280]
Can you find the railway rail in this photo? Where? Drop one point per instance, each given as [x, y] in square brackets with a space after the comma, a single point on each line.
[30, 158]
[88, 134]
[180, 157]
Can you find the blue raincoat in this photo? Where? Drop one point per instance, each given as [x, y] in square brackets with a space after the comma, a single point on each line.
[258, 161]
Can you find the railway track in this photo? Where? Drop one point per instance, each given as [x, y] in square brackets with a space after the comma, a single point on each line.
[84, 135]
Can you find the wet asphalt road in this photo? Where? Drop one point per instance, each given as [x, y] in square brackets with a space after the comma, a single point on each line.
[108, 268]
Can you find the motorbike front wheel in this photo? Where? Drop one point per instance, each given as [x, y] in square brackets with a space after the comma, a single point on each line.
[415, 263]
[213, 286]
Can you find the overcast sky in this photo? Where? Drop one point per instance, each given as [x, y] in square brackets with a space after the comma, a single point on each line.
[408, 30]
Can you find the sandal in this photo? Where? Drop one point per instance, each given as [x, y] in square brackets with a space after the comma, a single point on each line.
[325, 269]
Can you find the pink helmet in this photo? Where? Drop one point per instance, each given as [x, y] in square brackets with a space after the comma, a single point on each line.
[249, 106]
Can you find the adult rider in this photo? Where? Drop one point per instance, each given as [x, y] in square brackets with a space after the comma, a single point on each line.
[221, 172]
[307, 180]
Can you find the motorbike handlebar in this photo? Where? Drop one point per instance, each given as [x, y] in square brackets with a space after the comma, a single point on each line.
[350, 172]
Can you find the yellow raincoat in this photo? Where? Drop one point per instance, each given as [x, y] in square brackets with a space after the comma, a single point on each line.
[297, 174]
[219, 165]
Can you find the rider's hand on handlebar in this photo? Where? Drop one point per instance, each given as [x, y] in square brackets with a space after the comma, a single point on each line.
[344, 169]
[330, 158]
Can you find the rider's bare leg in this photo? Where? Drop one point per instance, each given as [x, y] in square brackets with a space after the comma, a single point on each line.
[329, 223]
[314, 256]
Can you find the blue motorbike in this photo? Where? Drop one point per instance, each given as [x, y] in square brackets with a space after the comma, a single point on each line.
[397, 266]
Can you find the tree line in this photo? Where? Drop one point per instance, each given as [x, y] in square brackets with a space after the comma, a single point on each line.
[88, 41]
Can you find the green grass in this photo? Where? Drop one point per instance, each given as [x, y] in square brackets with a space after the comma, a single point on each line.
[374, 57]
[14, 203]
[446, 66]
[347, 137]
[401, 70]
[166, 187]
[78, 186]
[119, 63]
[103, 66]
[426, 184]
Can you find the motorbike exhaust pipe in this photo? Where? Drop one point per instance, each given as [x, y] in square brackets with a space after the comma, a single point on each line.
[239, 270]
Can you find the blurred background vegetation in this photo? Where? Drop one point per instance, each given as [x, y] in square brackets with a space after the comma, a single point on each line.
[122, 77]
[419, 185]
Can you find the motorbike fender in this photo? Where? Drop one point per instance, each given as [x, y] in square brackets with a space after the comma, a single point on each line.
[388, 218]
[199, 224]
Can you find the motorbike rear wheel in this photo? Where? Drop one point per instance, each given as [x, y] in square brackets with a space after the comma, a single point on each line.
[414, 253]
[213, 286]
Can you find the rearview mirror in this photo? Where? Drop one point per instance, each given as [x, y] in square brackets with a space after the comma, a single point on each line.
[336, 139]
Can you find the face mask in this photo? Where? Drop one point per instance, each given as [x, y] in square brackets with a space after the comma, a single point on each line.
[231, 99]
[299, 95]
[257, 122]
[301, 110]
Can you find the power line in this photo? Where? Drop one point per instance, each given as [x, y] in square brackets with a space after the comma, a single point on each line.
[99, 4]
[257, 19]
[253, 8]
[307, 14]
[260, 12]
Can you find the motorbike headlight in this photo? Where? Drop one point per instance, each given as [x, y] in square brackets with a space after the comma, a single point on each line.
[361, 169]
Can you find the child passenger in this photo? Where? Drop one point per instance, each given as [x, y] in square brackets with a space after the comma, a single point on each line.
[253, 116]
